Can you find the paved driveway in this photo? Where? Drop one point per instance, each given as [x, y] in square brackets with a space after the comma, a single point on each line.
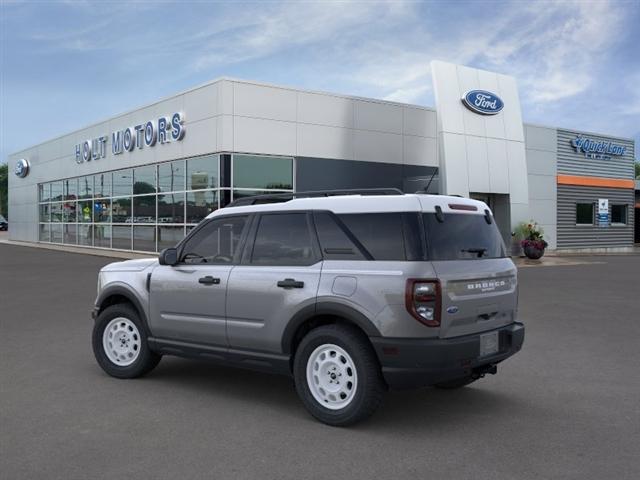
[567, 406]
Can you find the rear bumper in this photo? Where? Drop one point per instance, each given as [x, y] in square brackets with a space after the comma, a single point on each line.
[410, 363]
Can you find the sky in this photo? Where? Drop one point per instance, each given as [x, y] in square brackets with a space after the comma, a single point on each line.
[67, 64]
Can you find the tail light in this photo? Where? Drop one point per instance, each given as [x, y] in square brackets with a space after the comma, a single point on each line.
[422, 299]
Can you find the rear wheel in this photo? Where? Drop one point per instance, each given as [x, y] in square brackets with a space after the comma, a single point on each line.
[120, 343]
[337, 375]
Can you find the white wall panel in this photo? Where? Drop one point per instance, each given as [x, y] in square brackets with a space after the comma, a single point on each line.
[254, 135]
[418, 121]
[225, 97]
[325, 142]
[543, 211]
[477, 164]
[201, 103]
[541, 162]
[498, 166]
[225, 133]
[455, 180]
[494, 124]
[202, 137]
[325, 110]
[518, 191]
[519, 213]
[447, 91]
[381, 117]
[474, 124]
[541, 138]
[512, 114]
[377, 147]
[259, 101]
[542, 187]
[420, 151]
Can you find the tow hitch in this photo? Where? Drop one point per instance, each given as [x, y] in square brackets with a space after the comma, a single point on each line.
[480, 372]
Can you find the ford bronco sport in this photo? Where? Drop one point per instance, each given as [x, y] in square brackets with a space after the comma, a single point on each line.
[350, 293]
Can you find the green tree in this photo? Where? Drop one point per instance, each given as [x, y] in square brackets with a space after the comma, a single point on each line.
[638, 170]
[4, 189]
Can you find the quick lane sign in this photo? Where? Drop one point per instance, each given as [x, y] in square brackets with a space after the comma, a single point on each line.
[148, 134]
[598, 149]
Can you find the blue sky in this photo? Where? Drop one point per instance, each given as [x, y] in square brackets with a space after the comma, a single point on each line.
[67, 64]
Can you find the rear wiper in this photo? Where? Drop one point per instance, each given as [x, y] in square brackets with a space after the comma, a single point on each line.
[479, 251]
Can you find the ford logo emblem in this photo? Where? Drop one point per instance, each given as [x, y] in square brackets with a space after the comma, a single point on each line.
[22, 168]
[452, 309]
[483, 102]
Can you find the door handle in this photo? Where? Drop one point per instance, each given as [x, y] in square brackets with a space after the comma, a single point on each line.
[209, 280]
[290, 283]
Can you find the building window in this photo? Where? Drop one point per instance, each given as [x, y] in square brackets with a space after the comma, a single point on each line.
[584, 213]
[262, 173]
[619, 214]
[151, 207]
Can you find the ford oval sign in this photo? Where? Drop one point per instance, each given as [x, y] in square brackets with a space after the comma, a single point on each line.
[483, 102]
[22, 168]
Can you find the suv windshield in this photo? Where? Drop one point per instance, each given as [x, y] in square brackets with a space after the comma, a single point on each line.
[462, 237]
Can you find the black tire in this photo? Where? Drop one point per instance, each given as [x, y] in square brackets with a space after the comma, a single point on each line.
[454, 384]
[370, 385]
[146, 360]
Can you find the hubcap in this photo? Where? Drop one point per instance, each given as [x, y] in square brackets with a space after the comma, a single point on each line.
[121, 341]
[331, 376]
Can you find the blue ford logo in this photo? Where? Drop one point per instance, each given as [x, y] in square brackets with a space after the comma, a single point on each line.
[22, 168]
[453, 309]
[483, 102]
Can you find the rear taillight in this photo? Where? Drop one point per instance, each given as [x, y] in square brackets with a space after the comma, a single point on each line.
[422, 298]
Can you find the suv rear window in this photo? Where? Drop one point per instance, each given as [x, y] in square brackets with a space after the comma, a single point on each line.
[462, 237]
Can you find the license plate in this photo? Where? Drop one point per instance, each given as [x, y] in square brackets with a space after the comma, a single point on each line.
[489, 344]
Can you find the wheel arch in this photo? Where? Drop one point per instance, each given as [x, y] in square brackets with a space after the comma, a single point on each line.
[117, 294]
[324, 313]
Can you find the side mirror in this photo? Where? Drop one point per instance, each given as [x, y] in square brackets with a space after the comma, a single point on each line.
[168, 256]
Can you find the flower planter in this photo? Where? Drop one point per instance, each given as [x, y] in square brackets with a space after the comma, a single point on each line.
[533, 252]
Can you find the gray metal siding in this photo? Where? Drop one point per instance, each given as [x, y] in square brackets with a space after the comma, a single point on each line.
[572, 236]
[571, 162]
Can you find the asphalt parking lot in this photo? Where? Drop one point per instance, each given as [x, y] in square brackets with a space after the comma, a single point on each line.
[567, 406]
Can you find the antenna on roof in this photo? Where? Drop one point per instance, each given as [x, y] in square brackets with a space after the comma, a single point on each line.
[426, 189]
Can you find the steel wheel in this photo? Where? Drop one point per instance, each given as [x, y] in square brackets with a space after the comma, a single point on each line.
[332, 376]
[121, 341]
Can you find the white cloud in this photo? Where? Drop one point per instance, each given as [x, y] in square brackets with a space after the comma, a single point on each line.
[257, 33]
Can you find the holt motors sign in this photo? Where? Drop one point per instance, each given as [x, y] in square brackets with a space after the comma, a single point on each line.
[148, 134]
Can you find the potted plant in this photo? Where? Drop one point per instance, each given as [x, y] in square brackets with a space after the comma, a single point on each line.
[532, 241]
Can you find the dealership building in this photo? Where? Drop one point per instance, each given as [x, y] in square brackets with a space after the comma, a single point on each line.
[140, 181]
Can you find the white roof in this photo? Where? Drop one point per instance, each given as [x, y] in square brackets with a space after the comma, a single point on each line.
[365, 204]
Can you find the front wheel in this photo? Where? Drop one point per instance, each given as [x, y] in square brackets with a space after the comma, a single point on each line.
[119, 343]
[337, 375]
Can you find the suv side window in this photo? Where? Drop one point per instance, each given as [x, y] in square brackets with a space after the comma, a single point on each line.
[283, 239]
[334, 239]
[387, 236]
[216, 242]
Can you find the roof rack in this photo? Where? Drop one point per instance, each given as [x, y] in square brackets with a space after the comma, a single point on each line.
[287, 196]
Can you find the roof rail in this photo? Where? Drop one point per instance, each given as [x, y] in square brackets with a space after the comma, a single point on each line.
[287, 196]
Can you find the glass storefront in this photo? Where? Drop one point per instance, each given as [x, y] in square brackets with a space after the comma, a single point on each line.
[153, 207]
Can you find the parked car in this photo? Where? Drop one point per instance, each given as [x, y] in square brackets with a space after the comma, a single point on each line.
[4, 224]
[350, 294]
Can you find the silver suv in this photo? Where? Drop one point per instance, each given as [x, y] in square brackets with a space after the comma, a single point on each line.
[350, 293]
